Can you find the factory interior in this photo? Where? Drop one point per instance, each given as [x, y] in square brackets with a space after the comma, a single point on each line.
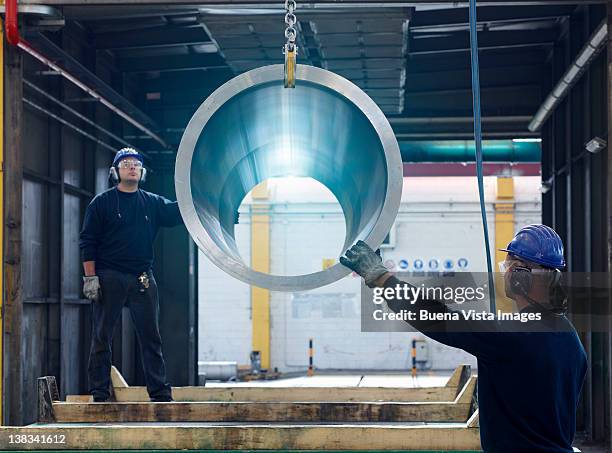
[287, 132]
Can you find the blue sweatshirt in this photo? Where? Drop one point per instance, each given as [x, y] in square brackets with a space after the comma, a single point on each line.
[119, 229]
[528, 382]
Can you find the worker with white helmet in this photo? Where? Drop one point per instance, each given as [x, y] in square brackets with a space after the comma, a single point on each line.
[116, 244]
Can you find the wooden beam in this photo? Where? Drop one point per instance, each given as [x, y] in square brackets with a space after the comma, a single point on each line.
[211, 411]
[459, 375]
[474, 420]
[47, 394]
[117, 379]
[456, 436]
[12, 229]
[79, 399]
[2, 212]
[288, 394]
[307, 394]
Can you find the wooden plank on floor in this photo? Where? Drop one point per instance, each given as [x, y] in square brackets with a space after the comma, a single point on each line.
[124, 393]
[262, 412]
[117, 378]
[79, 398]
[459, 375]
[241, 437]
[288, 394]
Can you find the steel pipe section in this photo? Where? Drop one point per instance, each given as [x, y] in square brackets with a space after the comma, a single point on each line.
[252, 128]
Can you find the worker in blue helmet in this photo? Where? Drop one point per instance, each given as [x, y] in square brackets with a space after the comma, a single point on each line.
[532, 269]
[116, 244]
[529, 374]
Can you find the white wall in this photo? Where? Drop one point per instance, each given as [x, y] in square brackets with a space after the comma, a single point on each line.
[439, 218]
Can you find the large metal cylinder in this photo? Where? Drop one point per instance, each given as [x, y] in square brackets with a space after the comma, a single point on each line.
[252, 128]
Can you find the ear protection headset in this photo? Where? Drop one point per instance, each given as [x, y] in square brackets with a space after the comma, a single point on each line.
[521, 282]
[521, 279]
[113, 174]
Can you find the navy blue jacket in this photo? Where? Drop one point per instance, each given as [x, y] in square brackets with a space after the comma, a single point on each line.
[119, 229]
[528, 382]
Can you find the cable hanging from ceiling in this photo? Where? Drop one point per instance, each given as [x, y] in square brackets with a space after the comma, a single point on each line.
[478, 143]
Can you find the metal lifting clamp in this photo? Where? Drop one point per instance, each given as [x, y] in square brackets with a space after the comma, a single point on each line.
[290, 49]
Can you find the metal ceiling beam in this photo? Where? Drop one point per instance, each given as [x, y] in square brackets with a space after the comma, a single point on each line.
[209, 62]
[156, 37]
[433, 63]
[73, 70]
[403, 121]
[467, 91]
[171, 82]
[585, 57]
[354, 3]
[460, 42]
[460, 78]
[423, 20]
[469, 135]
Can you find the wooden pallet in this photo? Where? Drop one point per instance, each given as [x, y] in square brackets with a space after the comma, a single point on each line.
[363, 426]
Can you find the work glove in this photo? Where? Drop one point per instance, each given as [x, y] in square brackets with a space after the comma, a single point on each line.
[91, 287]
[236, 217]
[365, 261]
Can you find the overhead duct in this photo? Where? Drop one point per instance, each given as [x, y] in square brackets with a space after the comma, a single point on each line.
[571, 76]
[252, 129]
[463, 151]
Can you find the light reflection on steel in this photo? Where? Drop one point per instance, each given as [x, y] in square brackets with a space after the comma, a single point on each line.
[252, 129]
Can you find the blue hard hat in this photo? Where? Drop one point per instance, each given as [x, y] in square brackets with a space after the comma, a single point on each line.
[124, 153]
[538, 244]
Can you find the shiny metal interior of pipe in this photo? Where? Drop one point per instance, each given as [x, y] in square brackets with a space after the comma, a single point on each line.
[252, 129]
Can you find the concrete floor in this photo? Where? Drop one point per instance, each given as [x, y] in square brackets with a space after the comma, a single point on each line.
[374, 379]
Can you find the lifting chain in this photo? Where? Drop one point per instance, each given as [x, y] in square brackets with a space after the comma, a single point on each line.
[290, 49]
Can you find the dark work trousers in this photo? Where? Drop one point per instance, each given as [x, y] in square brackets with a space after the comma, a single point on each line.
[118, 290]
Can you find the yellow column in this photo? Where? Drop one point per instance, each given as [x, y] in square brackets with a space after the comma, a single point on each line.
[504, 232]
[1, 214]
[260, 261]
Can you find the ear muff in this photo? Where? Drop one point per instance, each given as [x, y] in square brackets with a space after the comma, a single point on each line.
[521, 280]
[113, 175]
[558, 293]
[555, 278]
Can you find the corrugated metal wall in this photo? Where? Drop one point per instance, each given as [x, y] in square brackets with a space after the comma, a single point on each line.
[59, 178]
[62, 171]
[576, 204]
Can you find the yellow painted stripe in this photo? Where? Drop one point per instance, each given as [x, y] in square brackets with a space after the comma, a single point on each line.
[504, 232]
[260, 261]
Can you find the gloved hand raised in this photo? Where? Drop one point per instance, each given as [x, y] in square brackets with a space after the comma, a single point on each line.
[365, 261]
[91, 287]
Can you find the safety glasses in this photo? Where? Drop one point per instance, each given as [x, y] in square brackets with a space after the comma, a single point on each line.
[128, 163]
[505, 265]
